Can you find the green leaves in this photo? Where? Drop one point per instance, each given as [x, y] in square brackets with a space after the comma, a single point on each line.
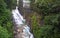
[50, 11]
[46, 7]
[5, 21]
[3, 33]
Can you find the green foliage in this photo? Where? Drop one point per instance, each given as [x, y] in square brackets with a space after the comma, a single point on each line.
[49, 30]
[11, 4]
[54, 22]
[50, 11]
[35, 28]
[5, 20]
[46, 6]
[2, 6]
[51, 19]
[3, 33]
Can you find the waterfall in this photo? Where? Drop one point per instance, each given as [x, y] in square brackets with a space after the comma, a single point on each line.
[20, 21]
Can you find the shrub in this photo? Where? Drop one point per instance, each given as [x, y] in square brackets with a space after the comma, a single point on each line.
[3, 33]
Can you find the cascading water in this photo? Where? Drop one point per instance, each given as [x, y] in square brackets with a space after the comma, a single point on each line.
[19, 21]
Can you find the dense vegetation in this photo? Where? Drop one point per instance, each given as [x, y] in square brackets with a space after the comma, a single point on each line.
[48, 11]
[6, 26]
[50, 14]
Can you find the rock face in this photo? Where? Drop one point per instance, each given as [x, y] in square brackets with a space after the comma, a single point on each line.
[20, 6]
[24, 7]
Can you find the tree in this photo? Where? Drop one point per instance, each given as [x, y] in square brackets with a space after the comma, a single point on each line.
[46, 6]
[3, 33]
[5, 18]
[49, 9]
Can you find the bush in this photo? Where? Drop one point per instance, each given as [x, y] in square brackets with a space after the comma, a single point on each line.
[3, 33]
[5, 20]
[50, 11]
[45, 7]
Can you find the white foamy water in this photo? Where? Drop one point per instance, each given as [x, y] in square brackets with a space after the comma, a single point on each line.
[18, 18]
[20, 21]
